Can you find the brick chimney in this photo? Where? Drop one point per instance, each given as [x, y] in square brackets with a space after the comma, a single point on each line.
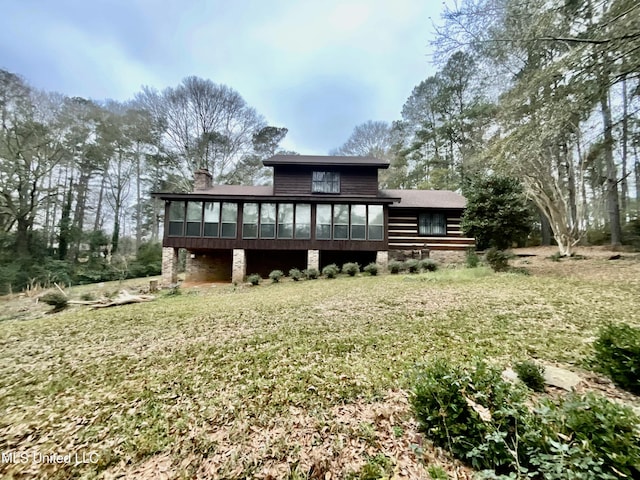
[201, 180]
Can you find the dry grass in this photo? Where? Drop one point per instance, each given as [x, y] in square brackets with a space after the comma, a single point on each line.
[293, 380]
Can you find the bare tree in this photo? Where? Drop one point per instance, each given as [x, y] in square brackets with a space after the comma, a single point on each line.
[205, 125]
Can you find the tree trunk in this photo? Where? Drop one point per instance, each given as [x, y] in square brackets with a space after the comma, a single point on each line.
[613, 207]
[545, 230]
[138, 203]
[625, 134]
[98, 223]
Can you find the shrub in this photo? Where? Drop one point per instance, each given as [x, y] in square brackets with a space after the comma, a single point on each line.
[555, 257]
[472, 412]
[471, 258]
[295, 274]
[254, 279]
[412, 265]
[371, 269]
[531, 374]
[351, 269]
[617, 355]
[584, 436]
[330, 271]
[57, 300]
[497, 260]
[276, 275]
[395, 266]
[485, 421]
[311, 273]
[428, 265]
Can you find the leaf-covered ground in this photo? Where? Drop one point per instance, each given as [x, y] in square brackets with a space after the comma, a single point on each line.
[291, 380]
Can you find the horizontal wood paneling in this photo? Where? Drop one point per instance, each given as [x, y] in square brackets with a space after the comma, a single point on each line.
[403, 232]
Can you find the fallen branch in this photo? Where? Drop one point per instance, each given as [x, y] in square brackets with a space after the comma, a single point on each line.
[123, 298]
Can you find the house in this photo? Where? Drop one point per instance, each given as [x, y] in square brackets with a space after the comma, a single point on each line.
[319, 210]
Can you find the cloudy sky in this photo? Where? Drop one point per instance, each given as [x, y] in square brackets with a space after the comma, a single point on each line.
[317, 67]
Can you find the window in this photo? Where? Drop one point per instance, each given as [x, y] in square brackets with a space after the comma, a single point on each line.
[268, 220]
[211, 219]
[194, 219]
[325, 182]
[250, 220]
[432, 224]
[376, 222]
[285, 220]
[359, 222]
[341, 222]
[323, 222]
[303, 220]
[176, 219]
[229, 220]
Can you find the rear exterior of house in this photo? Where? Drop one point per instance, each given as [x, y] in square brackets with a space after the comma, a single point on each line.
[319, 210]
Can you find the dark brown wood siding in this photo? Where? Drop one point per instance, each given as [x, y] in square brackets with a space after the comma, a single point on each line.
[296, 180]
[403, 231]
[201, 243]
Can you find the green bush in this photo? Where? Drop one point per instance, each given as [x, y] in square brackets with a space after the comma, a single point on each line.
[57, 300]
[491, 424]
[311, 273]
[371, 269]
[412, 265]
[351, 269]
[583, 436]
[276, 275]
[451, 404]
[295, 274]
[497, 260]
[555, 257]
[531, 374]
[254, 279]
[427, 265]
[617, 355]
[471, 258]
[330, 271]
[395, 266]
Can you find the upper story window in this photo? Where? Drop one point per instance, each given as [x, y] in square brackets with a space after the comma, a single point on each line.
[325, 182]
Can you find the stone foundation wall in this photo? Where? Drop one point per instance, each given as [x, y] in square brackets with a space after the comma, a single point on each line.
[447, 257]
[402, 255]
[209, 266]
[444, 257]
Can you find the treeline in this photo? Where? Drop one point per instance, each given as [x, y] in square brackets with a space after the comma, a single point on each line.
[546, 92]
[76, 175]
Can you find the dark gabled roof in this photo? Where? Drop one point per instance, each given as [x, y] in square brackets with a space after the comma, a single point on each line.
[426, 198]
[322, 160]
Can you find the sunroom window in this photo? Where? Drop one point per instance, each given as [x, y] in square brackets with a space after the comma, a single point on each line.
[194, 219]
[229, 220]
[176, 219]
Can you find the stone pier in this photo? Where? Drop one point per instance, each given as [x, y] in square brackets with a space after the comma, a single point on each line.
[313, 259]
[239, 266]
[382, 259]
[169, 265]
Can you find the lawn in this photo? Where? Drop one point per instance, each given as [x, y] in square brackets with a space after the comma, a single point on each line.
[291, 380]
